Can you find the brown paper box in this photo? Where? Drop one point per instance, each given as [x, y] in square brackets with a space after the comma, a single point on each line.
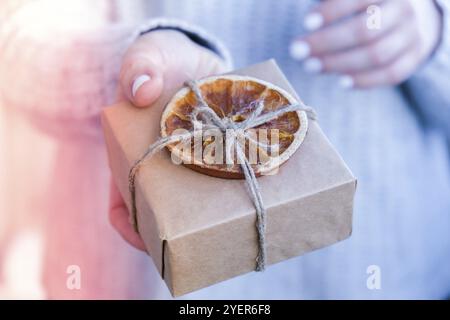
[200, 230]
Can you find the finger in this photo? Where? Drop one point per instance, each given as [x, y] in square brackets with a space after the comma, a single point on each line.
[210, 63]
[354, 32]
[330, 11]
[349, 33]
[119, 218]
[379, 53]
[141, 77]
[392, 74]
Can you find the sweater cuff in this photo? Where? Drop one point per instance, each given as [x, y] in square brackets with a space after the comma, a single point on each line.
[196, 34]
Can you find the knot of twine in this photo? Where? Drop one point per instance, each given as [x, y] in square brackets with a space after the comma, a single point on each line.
[207, 117]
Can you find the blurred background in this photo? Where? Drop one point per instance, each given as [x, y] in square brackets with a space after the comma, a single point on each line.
[59, 65]
[51, 53]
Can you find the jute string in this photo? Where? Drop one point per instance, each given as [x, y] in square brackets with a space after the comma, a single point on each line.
[208, 119]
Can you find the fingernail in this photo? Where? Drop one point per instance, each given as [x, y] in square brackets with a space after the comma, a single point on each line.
[312, 65]
[299, 50]
[139, 82]
[346, 82]
[313, 21]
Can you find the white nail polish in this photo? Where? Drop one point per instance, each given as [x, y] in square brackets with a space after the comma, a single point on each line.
[312, 65]
[313, 21]
[346, 82]
[299, 50]
[139, 82]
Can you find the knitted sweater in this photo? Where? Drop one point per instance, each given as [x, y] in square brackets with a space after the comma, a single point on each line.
[393, 138]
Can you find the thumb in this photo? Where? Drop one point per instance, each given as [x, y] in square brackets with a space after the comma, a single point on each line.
[141, 79]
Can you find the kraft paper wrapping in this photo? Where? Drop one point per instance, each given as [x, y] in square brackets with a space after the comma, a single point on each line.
[200, 230]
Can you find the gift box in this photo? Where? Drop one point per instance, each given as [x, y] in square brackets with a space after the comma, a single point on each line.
[200, 230]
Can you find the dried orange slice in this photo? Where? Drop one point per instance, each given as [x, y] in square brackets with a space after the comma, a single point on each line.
[235, 97]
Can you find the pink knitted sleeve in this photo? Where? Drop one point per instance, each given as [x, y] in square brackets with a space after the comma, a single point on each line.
[57, 69]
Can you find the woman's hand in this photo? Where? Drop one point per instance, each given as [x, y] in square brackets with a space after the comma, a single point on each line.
[342, 42]
[159, 58]
[164, 57]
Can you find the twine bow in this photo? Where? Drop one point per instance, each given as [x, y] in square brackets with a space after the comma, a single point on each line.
[207, 117]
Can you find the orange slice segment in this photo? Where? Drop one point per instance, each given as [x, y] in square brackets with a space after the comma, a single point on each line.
[236, 97]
